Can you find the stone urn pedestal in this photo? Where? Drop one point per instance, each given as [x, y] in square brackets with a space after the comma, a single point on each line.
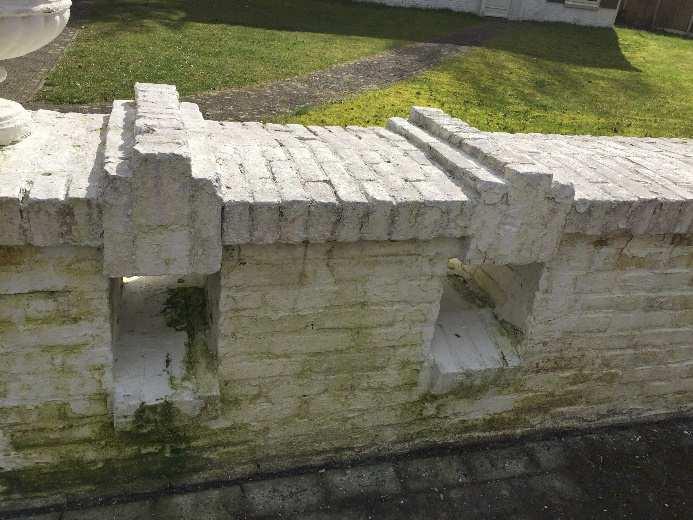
[25, 26]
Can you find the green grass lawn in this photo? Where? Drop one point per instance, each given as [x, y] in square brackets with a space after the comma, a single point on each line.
[547, 78]
[204, 45]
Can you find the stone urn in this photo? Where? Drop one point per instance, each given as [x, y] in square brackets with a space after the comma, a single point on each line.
[25, 26]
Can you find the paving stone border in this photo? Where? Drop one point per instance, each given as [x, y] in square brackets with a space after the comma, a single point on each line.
[637, 471]
[263, 102]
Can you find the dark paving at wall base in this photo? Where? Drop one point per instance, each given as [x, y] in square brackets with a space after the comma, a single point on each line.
[636, 471]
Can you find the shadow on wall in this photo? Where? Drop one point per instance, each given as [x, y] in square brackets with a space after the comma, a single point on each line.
[590, 47]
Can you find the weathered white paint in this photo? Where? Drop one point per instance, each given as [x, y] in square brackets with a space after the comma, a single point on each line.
[325, 252]
[149, 356]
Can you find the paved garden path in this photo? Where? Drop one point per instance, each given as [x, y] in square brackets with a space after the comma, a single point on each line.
[636, 471]
[265, 101]
[287, 96]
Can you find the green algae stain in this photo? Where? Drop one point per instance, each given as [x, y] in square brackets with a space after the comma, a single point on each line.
[540, 404]
[514, 334]
[78, 453]
[157, 448]
[100, 477]
[157, 424]
[185, 309]
[421, 408]
[13, 255]
[6, 326]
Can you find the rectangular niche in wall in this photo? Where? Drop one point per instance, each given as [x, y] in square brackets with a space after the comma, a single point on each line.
[163, 346]
[482, 319]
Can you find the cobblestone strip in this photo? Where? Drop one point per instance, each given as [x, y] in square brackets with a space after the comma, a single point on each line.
[263, 102]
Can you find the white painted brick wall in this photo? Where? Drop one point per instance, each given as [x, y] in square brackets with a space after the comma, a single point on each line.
[55, 343]
[321, 347]
[535, 10]
[342, 323]
[613, 322]
[335, 243]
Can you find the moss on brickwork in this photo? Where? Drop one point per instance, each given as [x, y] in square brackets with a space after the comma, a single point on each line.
[164, 446]
[470, 290]
[526, 411]
[157, 448]
[540, 404]
[6, 325]
[494, 380]
[514, 334]
[10, 255]
[421, 408]
[185, 309]
[158, 423]
[76, 475]
[66, 350]
[317, 403]
[53, 321]
[62, 446]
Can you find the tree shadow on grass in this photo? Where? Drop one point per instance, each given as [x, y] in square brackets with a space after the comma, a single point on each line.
[590, 47]
[540, 88]
[342, 17]
[593, 47]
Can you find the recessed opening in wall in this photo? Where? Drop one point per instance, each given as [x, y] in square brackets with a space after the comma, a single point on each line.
[163, 347]
[482, 320]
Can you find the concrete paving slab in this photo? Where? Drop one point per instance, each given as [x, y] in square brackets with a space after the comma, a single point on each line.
[378, 480]
[433, 473]
[504, 463]
[130, 511]
[284, 495]
[202, 505]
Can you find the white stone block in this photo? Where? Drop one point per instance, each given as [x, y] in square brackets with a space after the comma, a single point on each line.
[161, 215]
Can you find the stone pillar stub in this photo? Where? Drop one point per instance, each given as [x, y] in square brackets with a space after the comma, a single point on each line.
[157, 214]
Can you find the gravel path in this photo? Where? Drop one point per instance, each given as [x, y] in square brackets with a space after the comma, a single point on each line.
[284, 97]
[266, 101]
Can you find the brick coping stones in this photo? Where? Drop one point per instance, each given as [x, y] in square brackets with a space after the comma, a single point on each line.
[162, 189]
